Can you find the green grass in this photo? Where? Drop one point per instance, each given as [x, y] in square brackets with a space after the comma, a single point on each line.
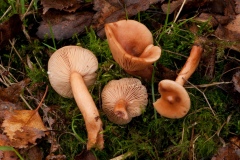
[148, 136]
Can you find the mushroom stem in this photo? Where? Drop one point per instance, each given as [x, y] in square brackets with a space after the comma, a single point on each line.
[120, 109]
[190, 65]
[89, 111]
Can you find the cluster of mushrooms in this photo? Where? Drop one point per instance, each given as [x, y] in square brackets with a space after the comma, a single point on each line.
[72, 69]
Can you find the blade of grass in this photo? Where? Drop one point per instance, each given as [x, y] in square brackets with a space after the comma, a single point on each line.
[22, 2]
[152, 86]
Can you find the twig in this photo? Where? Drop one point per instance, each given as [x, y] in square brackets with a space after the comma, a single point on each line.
[207, 85]
[179, 54]
[179, 11]
[9, 8]
[12, 44]
[30, 5]
[123, 156]
[209, 105]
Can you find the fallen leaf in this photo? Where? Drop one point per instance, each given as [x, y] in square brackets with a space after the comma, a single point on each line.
[25, 136]
[85, 155]
[169, 8]
[6, 155]
[23, 127]
[213, 19]
[34, 153]
[9, 29]
[63, 25]
[12, 93]
[111, 11]
[229, 152]
[237, 7]
[234, 25]
[9, 155]
[229, 7]
[73, 5]
[228, 35]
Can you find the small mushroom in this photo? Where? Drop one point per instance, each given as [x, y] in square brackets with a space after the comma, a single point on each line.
[71, 70]
[175, 101]
[124, 99]
[131, 44]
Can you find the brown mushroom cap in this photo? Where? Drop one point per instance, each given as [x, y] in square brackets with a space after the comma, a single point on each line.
[174, 101]
[131, 44]
[127, 91]
[66, 60]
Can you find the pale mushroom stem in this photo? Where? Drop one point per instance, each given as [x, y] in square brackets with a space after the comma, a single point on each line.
[120, 109]
[190, 65]
[89, 111]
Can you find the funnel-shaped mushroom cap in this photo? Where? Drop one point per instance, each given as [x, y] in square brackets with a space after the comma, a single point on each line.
[69, 59]
[124, 99]
[174, 101]
[131, 44]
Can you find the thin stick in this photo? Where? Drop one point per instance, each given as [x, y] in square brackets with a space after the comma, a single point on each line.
[12, 44]
[9, 8]
[123, 156]
[203, 96]
[179, 11]
[207, 85]
[30, 5]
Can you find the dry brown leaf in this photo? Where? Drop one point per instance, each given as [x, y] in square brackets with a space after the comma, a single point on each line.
[70, 5]
[85, 155]
[213, 19]
[234, 25]
[229, 35]
[23, 127]
[25, 136]
[9, 29]
[6, 155]
[170, 8]
[229, 152]
[63, 25]
[237, 7]
[12, 93]
[229, 9]
[9, 155]
[175, 5]
[111, 11]
[34, 153]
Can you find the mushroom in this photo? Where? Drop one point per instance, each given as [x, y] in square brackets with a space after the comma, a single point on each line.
[124, 99]
[131, 44]
[175, 101]
[71, 71]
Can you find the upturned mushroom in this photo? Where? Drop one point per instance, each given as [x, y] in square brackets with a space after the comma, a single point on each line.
[71, 70]
[131, 44]
[175, 101]
[124, 99]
